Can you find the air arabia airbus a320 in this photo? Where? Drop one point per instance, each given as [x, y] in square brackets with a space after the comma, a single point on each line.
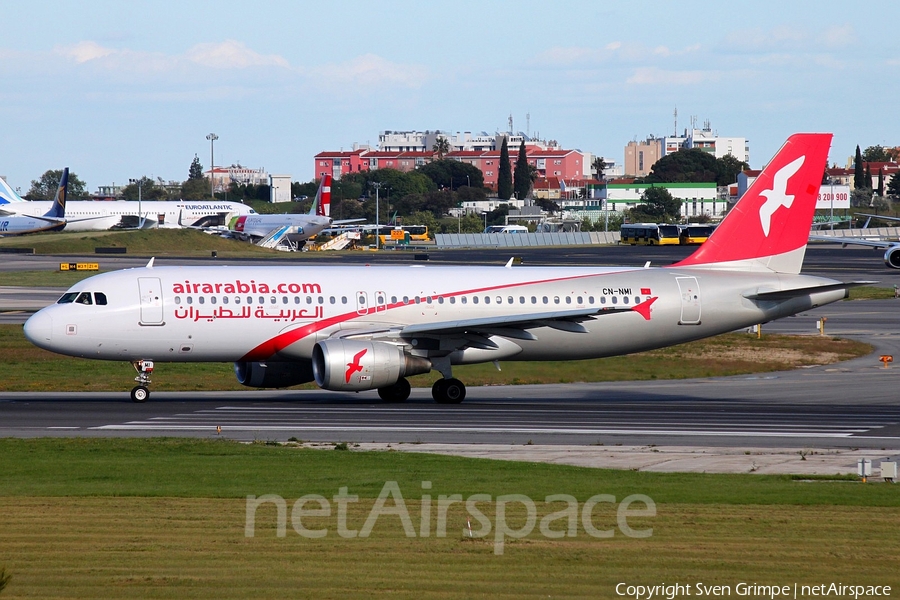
[363, 328]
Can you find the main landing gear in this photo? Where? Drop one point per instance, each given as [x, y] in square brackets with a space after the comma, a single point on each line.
[140, 392]
[398, 392]
[448, 391]
[444, 391]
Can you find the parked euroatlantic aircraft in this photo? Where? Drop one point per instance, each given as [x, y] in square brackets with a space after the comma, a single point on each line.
[88, 215]
[361, 328]
[296, 227]
[53, 220]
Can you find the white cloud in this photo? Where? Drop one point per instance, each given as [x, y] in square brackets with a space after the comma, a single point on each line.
[657, 76]
[232, 54]
[83, 52]
[372, 70]
[840, 37]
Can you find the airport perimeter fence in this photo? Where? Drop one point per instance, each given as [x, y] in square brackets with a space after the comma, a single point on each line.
[883, 233]
[523, 240]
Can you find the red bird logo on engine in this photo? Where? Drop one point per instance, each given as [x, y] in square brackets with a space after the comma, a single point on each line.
[354, 367]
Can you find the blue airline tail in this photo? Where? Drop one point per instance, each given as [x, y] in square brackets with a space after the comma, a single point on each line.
[7, 195]
[58, 210]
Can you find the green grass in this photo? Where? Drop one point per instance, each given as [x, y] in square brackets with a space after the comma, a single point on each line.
[871, 293]
[145, 242]
[165, 518]
[27, 368]
[190, 468]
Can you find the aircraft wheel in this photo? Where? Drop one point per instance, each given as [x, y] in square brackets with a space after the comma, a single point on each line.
[139, 393]
[448, 391]
[398, 392]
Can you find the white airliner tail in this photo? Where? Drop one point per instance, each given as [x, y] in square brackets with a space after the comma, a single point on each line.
[768, 228]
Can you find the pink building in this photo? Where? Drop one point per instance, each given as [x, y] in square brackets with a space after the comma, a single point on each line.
[562, 164]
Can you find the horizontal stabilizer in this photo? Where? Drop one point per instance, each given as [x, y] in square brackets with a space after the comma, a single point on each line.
[777, 295]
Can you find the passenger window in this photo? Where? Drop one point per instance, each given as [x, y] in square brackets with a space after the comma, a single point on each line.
[224, 299]
[568, 299]
[590, 299]
[84, 298]
[474, 299]
[100, 298]
[212, 300]
[452, 299]
[463, 300]
[177, 299]
[201, 299]
[487, 299]
[190, 299]
[546, 300]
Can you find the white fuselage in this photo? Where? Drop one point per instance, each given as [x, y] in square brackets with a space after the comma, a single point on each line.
[243, 313]
[88, 215]
[302, 226]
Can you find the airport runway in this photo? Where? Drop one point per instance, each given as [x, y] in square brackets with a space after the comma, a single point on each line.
[849, 405]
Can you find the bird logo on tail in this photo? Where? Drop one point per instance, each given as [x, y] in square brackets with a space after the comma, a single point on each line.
[778, 196]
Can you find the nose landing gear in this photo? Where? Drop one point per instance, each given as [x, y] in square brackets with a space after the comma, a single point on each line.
[140, 392]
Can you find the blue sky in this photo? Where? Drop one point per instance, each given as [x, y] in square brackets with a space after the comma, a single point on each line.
[116, 90]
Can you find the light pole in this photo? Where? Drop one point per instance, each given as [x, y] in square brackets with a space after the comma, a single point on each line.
[212, 165]
[377, 186]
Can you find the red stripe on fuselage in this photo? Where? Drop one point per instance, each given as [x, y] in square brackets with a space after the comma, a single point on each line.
[272, 346]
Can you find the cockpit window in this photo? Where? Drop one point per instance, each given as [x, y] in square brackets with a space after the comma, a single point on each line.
[100, 298]
[67, 298]
[84, 298]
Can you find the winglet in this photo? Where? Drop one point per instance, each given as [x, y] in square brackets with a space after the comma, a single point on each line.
[768, 228]
[150, 264]
[509, 263]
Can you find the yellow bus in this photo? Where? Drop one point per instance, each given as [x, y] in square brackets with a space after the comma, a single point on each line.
[397, 234]
[695, 234]
[649, 234]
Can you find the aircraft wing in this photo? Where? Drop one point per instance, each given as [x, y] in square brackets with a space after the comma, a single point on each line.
[347, 221]
[512, 326]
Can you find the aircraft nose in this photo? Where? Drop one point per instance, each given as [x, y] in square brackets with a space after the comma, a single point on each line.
[38, 328]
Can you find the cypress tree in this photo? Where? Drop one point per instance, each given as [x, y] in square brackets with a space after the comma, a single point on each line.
[868, 177]
[522, 176]
[859, 175]
[881, 181]
[504, 173]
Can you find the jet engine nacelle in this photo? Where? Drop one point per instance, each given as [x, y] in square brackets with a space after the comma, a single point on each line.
[892, 257]
[350, 365]
[273, 374]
